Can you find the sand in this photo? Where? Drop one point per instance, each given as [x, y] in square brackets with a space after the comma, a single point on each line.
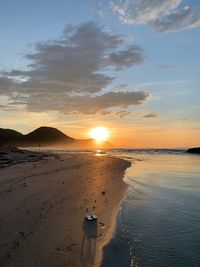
[42, 206]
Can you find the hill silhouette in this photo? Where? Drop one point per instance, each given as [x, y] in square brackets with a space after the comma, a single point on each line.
[9, 137]
[46, 137]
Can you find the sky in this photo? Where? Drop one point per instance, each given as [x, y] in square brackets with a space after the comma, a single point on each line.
[130, 65]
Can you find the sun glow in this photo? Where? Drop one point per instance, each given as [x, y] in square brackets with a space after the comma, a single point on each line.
[99, 134]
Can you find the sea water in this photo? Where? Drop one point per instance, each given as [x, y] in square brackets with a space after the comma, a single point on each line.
[158, 224]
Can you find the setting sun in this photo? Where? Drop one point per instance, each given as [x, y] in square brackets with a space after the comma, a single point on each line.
[99, 133]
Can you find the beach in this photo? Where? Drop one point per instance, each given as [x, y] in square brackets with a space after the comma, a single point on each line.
[43, 200]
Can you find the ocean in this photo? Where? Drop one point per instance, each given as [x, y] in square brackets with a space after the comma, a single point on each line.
[158, 224]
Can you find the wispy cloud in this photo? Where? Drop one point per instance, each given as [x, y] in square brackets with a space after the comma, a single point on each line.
[162, 15]
[123, 113]
[151, 115]
[168, 66]
[68, 74]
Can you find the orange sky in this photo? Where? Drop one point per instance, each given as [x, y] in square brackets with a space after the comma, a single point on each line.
[138, 134]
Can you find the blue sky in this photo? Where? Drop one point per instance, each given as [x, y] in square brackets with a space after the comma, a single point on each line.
[166, 32]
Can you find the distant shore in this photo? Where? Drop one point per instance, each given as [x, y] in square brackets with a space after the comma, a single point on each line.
[43, 199]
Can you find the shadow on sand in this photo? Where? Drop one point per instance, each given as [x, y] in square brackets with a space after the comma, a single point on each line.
[88, 246]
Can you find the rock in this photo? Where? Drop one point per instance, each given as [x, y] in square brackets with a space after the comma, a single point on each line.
[194, 150]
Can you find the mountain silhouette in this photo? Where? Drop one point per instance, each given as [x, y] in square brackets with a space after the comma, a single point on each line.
[46, 137]
[9, 136]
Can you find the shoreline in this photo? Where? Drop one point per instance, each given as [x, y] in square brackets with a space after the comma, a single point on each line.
[42, 207]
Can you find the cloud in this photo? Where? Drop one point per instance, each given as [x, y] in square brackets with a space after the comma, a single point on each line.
[74, 63]
[168, 66]
[7, 86]
[84, 104]
[178, 19]
[151, 115]
[123, 113]
[69, 74]
[142, 12]
[162, 15]
[126, 58]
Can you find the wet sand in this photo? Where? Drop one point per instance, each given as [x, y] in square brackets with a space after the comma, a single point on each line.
[42, 207]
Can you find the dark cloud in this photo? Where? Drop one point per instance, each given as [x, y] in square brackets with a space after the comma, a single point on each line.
[74, 63]
[83, 104]
[162, 15]
[7, 86]
[68, 74]
[126, 58]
